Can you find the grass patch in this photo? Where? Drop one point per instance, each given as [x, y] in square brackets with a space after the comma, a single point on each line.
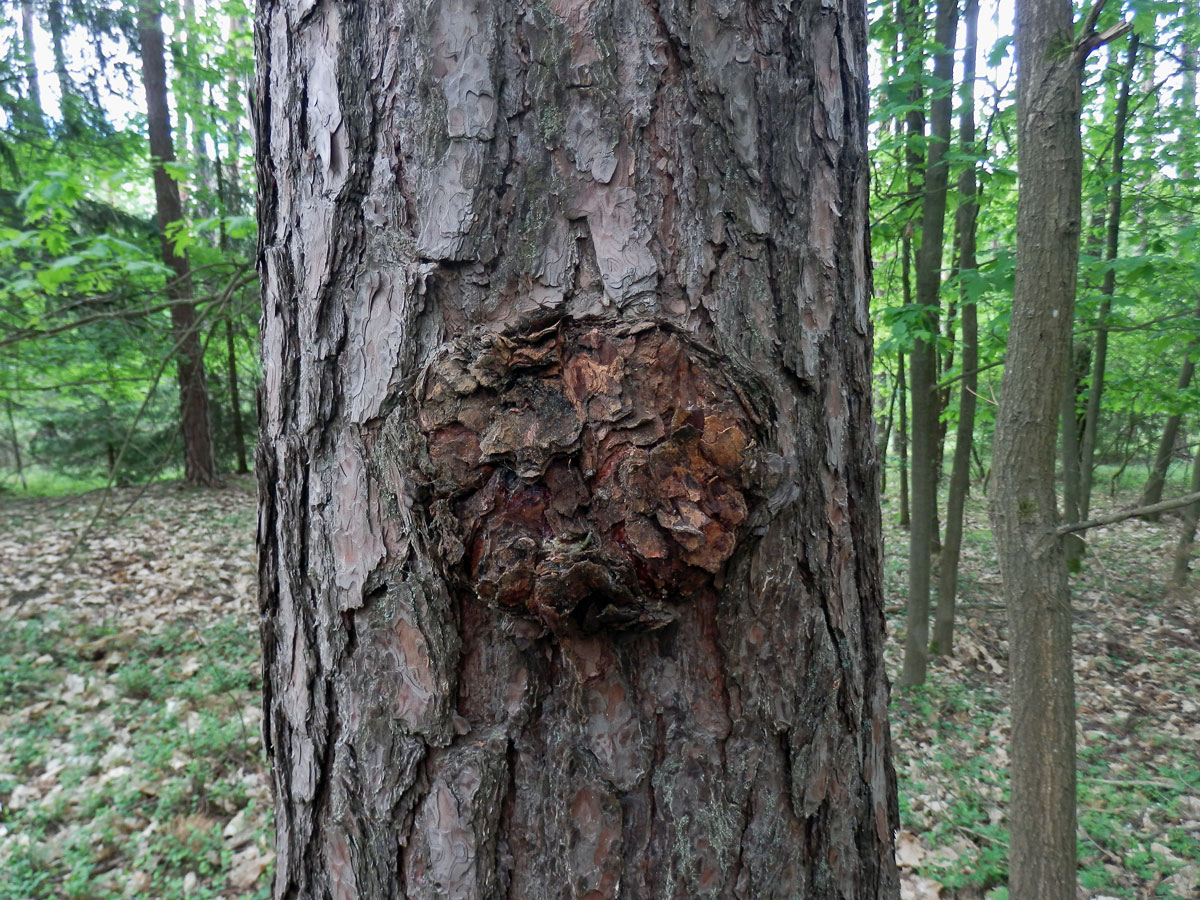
[124, 757]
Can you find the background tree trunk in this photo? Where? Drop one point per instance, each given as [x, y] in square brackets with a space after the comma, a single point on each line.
[235, 400]
[883, 445]
[1152, 492]
[910, 16]
[923, 372]
[902, 441]
[533, 626]
[1091, 427]
[68, 91]
[964, 435]
[15, 443]
[199, 465]
[33, 88]
[1073, 545]
[1023, 508]
[1170, 436]
[1187, 531]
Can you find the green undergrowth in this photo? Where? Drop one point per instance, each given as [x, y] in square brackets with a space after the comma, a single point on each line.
[1137, 685]
[130, 761]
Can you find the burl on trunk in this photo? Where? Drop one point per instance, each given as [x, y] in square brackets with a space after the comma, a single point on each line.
[569, 538]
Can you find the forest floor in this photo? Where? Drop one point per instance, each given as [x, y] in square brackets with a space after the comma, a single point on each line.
[131, 763]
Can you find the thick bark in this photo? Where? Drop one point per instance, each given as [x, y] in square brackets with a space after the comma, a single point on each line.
[1091, 426]
[964, 435]
[569, 536]
[1023, 508]
[199, 466]
[923, 372]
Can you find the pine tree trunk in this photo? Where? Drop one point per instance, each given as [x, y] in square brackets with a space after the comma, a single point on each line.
[569, 536]
[199, 465]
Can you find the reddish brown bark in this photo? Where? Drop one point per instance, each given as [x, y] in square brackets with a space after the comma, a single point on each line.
[569, 538]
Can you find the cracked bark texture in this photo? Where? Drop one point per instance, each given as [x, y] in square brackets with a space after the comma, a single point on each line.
[569, 535]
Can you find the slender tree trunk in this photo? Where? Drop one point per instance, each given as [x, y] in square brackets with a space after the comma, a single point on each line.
[198, 463]
[1166, 446]
[235, 402]
[15, 441]
[912, 21]
[902, 440]
[1091, 428]
[1023, 507]
[196, 123]
[1187, 531]
[923, 372]
[33, 87]
[1170, 436]
[910, 16]
[884, 443]
[68, 92]
[964, 436]
[942, 395]
[1073, 545]
[228, 207]
[570, 580]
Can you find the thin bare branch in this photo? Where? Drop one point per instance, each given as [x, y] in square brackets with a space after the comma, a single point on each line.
[1089, 23]
[1122, 515]
[1090, 40]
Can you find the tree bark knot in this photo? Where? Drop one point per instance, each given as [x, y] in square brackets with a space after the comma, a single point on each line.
[590, 476]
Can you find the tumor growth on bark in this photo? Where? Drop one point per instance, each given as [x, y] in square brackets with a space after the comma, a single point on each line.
[587, 476]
